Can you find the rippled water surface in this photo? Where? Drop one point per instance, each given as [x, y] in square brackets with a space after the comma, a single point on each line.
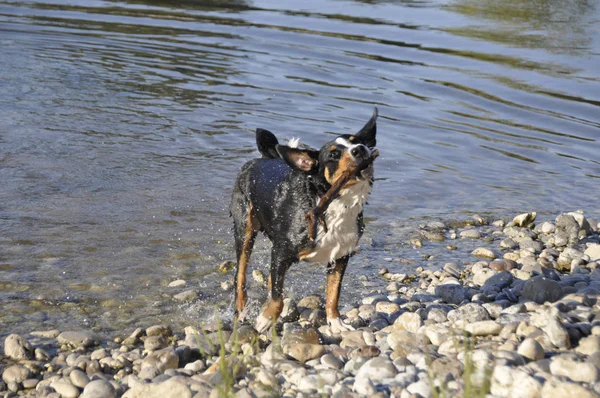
[123, 124]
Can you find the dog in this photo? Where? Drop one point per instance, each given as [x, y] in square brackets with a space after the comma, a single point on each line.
[309, 203]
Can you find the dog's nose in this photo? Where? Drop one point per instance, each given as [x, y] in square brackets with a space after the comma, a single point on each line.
[359, 151]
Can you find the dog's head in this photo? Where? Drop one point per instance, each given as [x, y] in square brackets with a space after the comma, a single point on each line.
[353, 154]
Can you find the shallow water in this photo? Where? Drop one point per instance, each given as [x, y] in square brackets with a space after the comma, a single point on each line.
[123, 124]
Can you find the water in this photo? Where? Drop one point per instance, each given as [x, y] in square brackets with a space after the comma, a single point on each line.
[123, 125]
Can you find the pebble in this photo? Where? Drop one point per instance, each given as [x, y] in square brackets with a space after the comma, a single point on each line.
[411, 334]
[77, 339]
[531, 349]
[16, 347]
[15, 374]
[484, 252]
[451, 293]
[187, 295]
[99, 389]
[541, 290]
[178, 283]
[576, 371]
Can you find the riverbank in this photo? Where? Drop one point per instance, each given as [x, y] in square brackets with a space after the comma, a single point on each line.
[519, 317]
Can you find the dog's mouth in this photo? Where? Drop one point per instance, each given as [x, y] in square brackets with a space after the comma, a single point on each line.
[365, 168]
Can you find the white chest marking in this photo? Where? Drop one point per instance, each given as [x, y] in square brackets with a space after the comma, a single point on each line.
[342, 226]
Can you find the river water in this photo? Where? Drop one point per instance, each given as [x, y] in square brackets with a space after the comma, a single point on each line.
[123, 125]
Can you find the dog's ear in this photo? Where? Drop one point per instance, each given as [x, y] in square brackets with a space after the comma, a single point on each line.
[299, 159]
[266, 143]
[366, 135]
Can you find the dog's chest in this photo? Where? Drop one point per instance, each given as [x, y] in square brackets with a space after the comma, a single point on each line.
[342, 225]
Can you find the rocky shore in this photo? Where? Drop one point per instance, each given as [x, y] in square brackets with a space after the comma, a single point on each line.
[519, 319]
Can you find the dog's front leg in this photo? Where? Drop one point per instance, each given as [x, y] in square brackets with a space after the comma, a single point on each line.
[279, 266]
[335, 273]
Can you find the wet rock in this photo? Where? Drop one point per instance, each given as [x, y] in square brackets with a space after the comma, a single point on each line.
[484, 252]
[77, 339]
[293, 334]
[187, 296]
[17, 347]
[312, 302]
[290, 311]
[576, 371]
[177, 283]
[99, 389]
[470, 234]
[508, 243]
[540, 290]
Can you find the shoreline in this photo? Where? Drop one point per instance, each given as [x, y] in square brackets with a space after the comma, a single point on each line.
[519, 320]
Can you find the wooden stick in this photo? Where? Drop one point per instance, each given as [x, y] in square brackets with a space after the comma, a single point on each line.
[317, 214]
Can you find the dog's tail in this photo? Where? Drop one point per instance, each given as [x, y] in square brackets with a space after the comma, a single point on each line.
[266, 143]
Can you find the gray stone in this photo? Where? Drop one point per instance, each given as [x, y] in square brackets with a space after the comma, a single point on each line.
[593, 251]
[153, 343]
[162, 360]
[377, 369]
[483, 328]
[562, 389]
[79, 378]
[77, 339]
[589, 345]
[525, 219]
[159, 330]
[470, 234]
[531, 349]
[497, 282]
[65, 389]
[290, 311]
[452, 269]
[451, 293]
[508, 243]
[576, 371]
[16, 347]
[15, 374]
[409, 321]
[540, 290]
[303, 352]
[167, 389]
[482, 275]
[471, 312]
[332, 361]
[569, 227]
[99, 389]
[186, 296]
[484, 252]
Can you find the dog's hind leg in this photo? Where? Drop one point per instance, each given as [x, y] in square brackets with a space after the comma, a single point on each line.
[335, 273]
[246, 227]
[279, 267]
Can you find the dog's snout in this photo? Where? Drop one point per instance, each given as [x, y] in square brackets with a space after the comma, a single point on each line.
[359, 151]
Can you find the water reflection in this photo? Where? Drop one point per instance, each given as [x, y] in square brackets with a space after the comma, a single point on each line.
[562, 26]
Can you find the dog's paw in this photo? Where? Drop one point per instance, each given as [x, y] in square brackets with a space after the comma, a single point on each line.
[262, 324]
[338, 326]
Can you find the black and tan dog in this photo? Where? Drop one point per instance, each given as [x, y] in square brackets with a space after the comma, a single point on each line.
[309, 203]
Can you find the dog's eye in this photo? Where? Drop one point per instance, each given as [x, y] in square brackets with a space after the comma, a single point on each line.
[334, 155]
